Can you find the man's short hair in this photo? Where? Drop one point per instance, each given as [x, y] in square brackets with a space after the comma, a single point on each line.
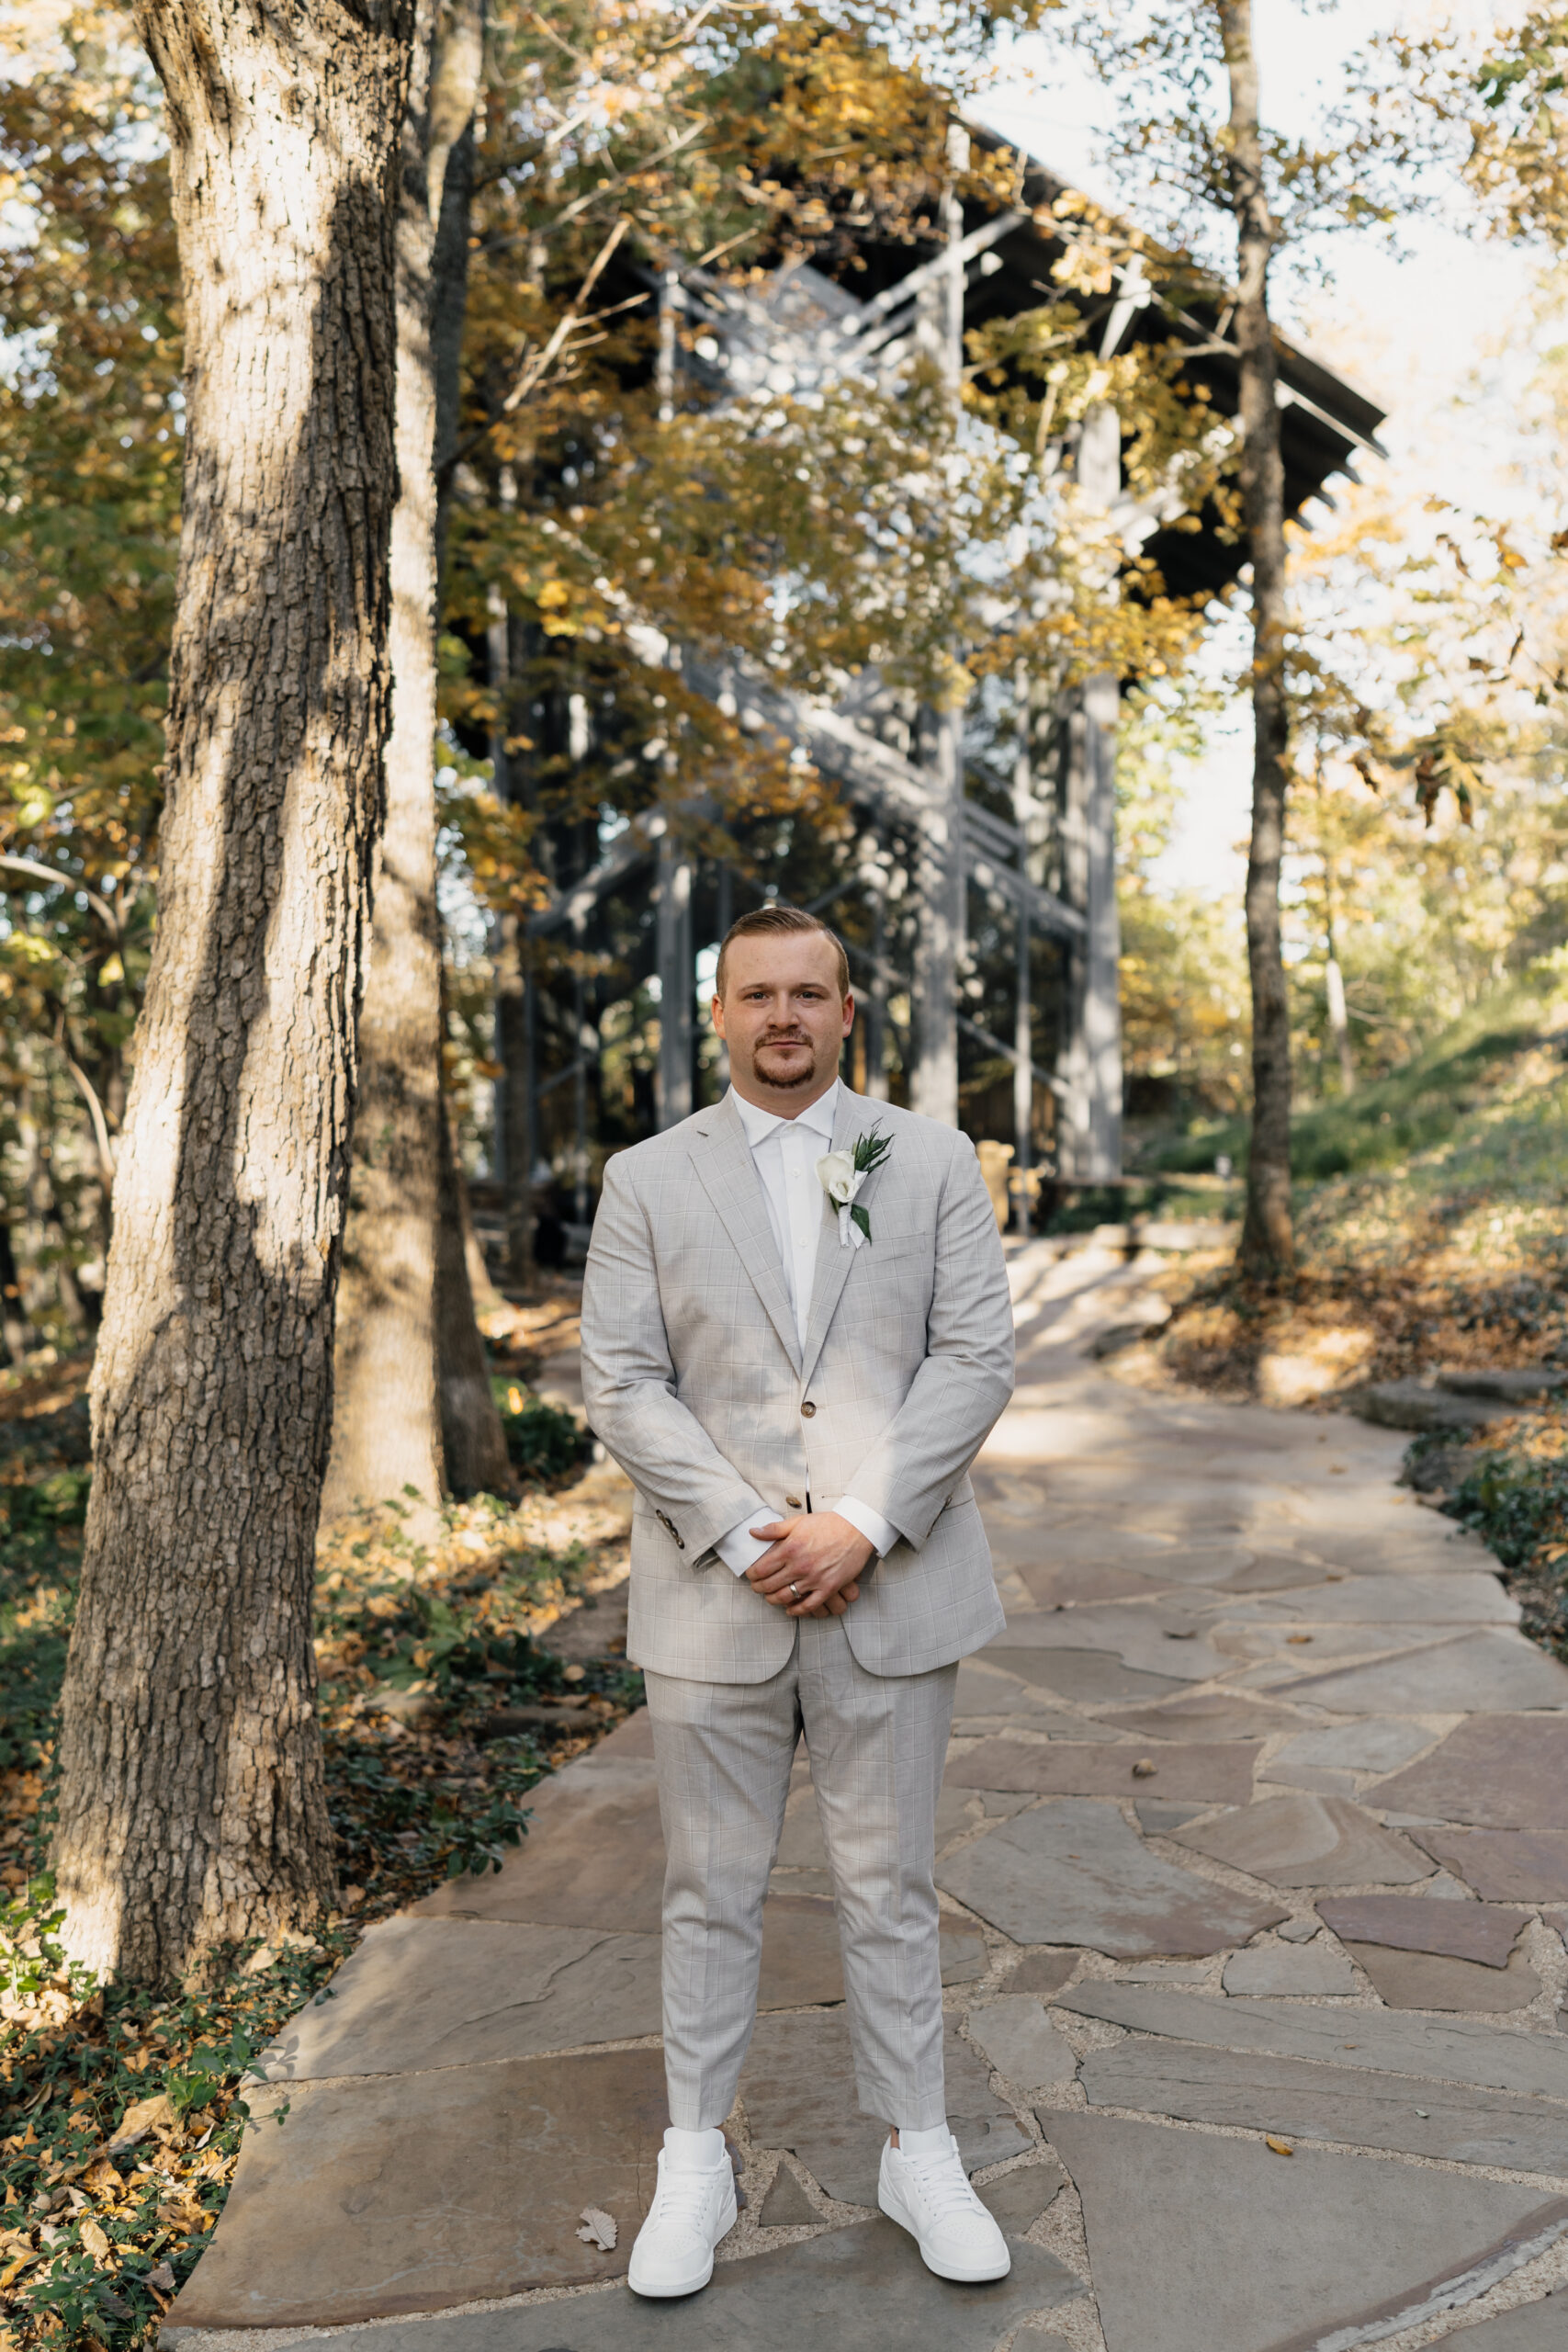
[773, 918]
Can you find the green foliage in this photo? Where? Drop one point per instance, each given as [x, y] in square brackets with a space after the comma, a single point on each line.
[544, 1442]
[1515, 1502]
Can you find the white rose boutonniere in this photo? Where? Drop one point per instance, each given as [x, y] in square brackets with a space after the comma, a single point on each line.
[842, 1174]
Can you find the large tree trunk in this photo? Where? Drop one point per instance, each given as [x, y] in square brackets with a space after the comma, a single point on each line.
[192, 1803]
[1267, 1246]
[386, 1420]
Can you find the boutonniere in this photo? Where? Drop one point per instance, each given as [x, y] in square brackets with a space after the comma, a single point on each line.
[842, 1174]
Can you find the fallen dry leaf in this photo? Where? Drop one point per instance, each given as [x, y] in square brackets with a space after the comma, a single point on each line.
[14, 2270]
[146, 2115]
[1144, 1769]
[1281, 2147]
[1296, 1640]
[598, 2229]
[95, 2240]
[162, 2279]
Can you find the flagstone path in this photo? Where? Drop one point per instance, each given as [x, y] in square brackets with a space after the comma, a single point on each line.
[1254, 1860]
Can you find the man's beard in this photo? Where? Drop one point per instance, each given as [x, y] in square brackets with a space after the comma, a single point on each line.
[798, 1078]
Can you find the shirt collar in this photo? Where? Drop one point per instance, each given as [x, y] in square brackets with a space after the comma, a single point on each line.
[760, 1125]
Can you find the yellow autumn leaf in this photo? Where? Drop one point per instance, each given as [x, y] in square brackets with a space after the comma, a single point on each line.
[1281, 2147]
[95, 2241]
[14, 2270]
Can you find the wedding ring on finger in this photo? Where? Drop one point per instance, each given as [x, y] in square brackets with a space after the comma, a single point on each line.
[795, 1589]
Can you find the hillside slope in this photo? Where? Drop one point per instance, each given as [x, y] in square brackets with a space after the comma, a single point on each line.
[1432, 1222]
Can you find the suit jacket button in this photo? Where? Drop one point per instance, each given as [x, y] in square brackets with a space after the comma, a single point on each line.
[808, 1409]
[794, 1502]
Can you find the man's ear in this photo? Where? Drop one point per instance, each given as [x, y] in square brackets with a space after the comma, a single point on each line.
[848, 1014]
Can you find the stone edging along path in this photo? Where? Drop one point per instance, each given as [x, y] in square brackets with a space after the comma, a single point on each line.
[1254, 1860]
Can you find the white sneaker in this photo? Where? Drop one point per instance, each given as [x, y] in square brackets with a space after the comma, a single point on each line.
[692, 2208]
[931, 2197]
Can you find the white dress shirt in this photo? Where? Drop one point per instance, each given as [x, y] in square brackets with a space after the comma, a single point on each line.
[784, 1153]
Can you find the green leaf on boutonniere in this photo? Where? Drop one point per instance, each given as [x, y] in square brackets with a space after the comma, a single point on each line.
[858, 1217]
[869, 1149]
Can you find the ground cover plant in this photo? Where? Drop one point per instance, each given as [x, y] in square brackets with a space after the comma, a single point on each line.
[121, 2110]
[1429, 1213]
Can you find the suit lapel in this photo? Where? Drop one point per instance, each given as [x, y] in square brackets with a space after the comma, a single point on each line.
[722, 1157]
[855, 1117]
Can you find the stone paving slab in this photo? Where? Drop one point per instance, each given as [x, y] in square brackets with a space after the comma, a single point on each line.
[1075, 1872]
[1467, 1598]
[1014, 2034]
[1237, 2250]
[1085, 1675]
[1294, 2099]
[1534, 2327]
[1206, 1715]
[1307, 1841]
[1504, 1865]
[1019, 2198]
[1148, 1637]
[984, 1690]
[1509, 1773]
[1297, 1971]
[1489, 1672]
[1418, 1980]
[1478, 1931]
[1220, 1775]
[1496, 2058]
[786, 2205]
[413, 2192]
[798, 2089]
[864, 2288]
[1158, 1818]
[593, 1857]
[1044, 1973]
[421, 1993]
[1379, 1745]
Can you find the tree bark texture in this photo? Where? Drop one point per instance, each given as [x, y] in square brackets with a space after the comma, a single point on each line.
[386, 1420]
[477, 1459]
[1268, 1247]
[192, 1804]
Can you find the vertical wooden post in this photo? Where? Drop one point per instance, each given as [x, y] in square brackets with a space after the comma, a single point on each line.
[664, 364]
[1091, 1120]
[940, 880]
[723, 915]
[875, 1003]
[674, 947]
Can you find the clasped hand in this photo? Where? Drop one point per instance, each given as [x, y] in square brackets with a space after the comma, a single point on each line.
[813, 1564]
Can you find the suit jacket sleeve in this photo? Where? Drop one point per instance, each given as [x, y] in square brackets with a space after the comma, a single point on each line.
[967, 1376]
[628, 1384]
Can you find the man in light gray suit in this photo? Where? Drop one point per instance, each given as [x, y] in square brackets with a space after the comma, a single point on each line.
[797, 1334]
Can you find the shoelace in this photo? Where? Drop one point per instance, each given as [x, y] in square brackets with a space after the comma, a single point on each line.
[943, 2186]
[683, 2197]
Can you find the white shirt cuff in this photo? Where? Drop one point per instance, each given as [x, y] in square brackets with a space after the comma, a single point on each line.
[741, 1550]
[878, 1533]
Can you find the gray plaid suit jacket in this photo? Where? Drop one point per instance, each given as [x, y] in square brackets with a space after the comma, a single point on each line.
[695, 1382]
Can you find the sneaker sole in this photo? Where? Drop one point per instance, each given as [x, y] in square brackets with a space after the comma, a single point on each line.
[686, 2285]
[961, 2275]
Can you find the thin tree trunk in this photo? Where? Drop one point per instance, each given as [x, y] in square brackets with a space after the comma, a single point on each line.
[477, 1459]
[13, 1317]
[192, 1801]
[1267, 1246]
[386, 1420]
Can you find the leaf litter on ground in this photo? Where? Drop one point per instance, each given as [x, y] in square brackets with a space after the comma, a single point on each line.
[124, 2108]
